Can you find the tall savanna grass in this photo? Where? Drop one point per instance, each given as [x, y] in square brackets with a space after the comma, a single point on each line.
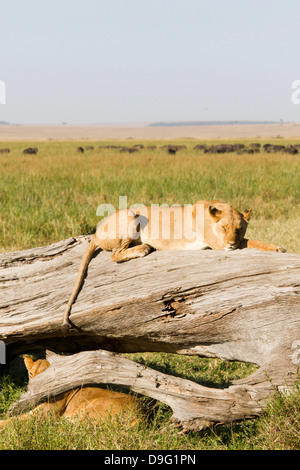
[55, 194]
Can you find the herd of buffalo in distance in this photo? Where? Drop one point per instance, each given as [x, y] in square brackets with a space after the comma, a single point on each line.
[173, 149]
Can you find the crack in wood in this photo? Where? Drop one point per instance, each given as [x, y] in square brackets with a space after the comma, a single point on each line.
[242, 306]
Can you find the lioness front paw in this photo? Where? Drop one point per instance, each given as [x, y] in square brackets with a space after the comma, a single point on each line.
[277, 248]
[148, 249]
[145, 250]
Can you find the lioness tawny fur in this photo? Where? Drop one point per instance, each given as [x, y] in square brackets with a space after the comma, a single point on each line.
[93, 403]
[134, 233]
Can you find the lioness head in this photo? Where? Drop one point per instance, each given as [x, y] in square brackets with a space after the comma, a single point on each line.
[35, 367]
[229, 225]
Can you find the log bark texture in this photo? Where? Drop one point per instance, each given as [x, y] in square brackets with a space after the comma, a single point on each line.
[242, 305]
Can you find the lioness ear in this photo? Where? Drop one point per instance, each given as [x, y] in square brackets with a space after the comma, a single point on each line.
[215, 213]
[247, 215]
[28, 362]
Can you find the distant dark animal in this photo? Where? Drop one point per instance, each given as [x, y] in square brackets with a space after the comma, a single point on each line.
[200, 147]
[128, 150]
[221, 148]
[165, 147]
[80, 149]
[274, 148]
[173, 147]
[255, 146]
[291, 149]
[138, 147]
[248, 151]
[237, 147]
[172, 151]
[109, 147]
[31, 151]
[4, 150]
[268, 148]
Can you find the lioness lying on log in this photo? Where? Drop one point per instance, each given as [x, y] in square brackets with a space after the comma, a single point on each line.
[134, 233]
[91, 402]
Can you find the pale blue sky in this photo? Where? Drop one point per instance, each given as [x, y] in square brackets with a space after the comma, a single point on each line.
[98, 61]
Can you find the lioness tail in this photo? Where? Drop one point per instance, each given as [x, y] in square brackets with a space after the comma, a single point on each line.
[82, 269]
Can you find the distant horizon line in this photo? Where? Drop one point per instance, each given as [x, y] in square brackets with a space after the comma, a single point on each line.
[214, 123]
[157, 123]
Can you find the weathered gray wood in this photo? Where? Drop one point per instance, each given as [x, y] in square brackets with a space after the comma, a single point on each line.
[242, 305]
[169, 301]
[194, 406]
[33, 254]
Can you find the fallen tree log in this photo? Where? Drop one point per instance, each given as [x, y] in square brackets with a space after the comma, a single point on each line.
[194, 406]
[242, 305]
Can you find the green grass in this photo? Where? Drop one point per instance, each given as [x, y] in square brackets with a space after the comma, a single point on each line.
[208, 372]
[277, 429]
[55, 194]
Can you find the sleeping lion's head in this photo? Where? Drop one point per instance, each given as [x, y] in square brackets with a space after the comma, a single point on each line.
[35, 367]
[229, 225]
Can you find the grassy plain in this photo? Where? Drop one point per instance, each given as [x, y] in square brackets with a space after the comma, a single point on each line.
[55, 194]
